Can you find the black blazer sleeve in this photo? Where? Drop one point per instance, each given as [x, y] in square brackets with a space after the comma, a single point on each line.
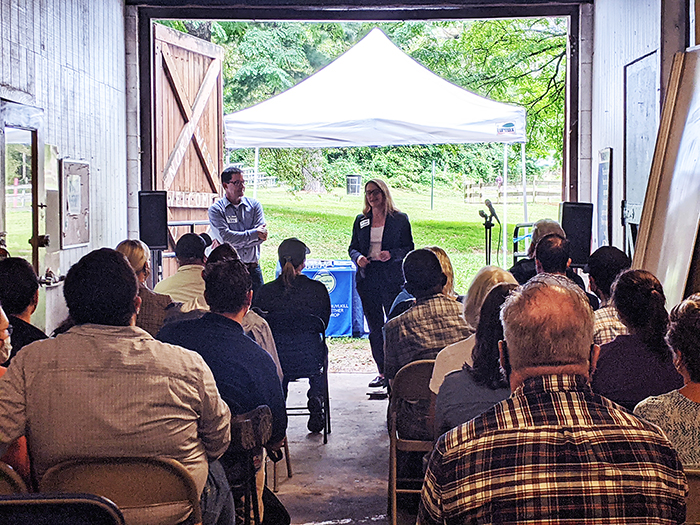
[397, 239]
[359, 244]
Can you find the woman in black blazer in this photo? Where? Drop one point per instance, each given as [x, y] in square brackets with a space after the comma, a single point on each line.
[381, 238]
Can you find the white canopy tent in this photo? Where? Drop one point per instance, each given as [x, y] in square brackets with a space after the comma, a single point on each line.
[375, 95]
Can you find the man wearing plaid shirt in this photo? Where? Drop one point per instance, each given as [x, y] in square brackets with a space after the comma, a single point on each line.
[554, 452]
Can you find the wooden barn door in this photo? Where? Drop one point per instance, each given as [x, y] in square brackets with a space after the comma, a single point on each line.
[188, 126]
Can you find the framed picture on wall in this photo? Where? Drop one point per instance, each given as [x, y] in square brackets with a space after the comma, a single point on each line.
[75, 203]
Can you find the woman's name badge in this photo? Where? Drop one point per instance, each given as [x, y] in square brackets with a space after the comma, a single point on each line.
[364, 223]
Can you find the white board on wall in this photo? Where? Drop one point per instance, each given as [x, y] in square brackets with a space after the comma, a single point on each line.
[671, 212]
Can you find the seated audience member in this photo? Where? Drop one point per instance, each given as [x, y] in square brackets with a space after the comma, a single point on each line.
[152, 313]
[524, 269]
[638, 365]
[552, 255]
[294, 294]
[405, 300]
[253, 325]
[604, 265]
[245, 374]
[433, 323]
[468, 392]
[453, 356]
[16, 455]
[677, 413]
[106, 388]
[19, 295]
[186, 285]
[553, 452]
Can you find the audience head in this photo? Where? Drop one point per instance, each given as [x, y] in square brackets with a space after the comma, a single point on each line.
[423, 273]
[547, 322]
[223, 252]
[227, 286]
[603, 266]
[190, 248]
[486, 370]
[684, 335]
[641, 304]
[539, 230]
[379, 184]
[5, 333]
[19, 286]
[292, 255]
[101, 288]
[449, 289]
[481, 285]
[553, 254]
[138, 254]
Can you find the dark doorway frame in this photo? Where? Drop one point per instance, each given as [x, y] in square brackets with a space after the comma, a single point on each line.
[361, 10]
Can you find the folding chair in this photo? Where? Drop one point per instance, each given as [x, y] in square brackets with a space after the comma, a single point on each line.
[693, 499]
[10, 481]
[303, 353]
[410, 384]
[146, 490]
[51, 509]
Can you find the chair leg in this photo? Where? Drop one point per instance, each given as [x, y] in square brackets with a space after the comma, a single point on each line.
[287, 458]
[392, 482]
[253, 491]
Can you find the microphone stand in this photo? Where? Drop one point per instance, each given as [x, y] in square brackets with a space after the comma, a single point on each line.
[488, 225]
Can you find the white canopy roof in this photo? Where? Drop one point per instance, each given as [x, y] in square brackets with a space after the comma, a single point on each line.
[374, 95]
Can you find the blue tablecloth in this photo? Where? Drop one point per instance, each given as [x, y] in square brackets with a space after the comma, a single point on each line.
[347, 317]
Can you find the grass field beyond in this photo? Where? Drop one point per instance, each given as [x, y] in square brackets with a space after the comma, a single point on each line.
[324, 222]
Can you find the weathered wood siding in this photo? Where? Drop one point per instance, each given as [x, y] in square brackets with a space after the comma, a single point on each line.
[67, 57]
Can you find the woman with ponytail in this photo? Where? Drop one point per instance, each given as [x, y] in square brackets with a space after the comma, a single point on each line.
[292, 293]
[635, 366]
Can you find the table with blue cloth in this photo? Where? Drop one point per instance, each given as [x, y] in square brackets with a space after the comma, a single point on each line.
[347, 317]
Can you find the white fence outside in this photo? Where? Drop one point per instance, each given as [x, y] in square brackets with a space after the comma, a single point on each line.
[18, 196]
[538, 191]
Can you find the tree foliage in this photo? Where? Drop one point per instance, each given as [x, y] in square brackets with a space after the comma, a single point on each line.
[521, 61]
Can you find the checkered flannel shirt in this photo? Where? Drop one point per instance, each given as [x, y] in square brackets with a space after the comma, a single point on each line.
[607, 325]
[421, 332]
[554, 453]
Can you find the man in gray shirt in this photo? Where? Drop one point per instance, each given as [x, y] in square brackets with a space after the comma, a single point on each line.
[239, 221]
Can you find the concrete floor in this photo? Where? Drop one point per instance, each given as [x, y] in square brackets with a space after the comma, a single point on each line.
[344, 481]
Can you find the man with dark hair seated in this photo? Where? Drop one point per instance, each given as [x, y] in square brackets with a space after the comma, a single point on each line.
[19, 295]
[553, 255]
[553, 452]
[244, 372]
[107, 388]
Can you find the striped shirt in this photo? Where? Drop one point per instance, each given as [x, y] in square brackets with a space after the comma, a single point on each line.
[554, 453]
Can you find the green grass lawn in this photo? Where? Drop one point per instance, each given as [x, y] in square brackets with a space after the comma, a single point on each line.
[324, 223]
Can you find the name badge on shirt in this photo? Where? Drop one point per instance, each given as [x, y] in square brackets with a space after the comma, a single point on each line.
[364, 223]
[232, 219]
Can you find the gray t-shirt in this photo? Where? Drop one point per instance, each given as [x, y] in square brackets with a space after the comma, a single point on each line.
[461, 399]
[679, 418]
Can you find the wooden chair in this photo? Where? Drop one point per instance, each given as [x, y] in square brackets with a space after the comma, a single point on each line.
[693, 500]
[51, 509]
[410, 384]
[10, 481]
[250, 432]
[146, 490]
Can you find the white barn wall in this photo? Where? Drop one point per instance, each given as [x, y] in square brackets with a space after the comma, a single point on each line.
[67, 57]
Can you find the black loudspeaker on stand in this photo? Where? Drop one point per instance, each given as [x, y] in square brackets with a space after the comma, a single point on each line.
[576, 219]
[153, 219]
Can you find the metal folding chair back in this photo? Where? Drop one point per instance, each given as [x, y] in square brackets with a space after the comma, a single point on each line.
[693, 499]
[50, 509]
[10, 481]
[147, 491]
[410, 384]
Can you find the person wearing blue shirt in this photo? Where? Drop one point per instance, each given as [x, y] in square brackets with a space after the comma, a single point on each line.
[240, 221]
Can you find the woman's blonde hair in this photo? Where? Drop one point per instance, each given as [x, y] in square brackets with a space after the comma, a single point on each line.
[388, 201]
[449, 288]
[484, 280]
[136, 252]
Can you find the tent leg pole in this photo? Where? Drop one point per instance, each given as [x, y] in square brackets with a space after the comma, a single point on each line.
[257, 167]
[522, 155]
[505, 203]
